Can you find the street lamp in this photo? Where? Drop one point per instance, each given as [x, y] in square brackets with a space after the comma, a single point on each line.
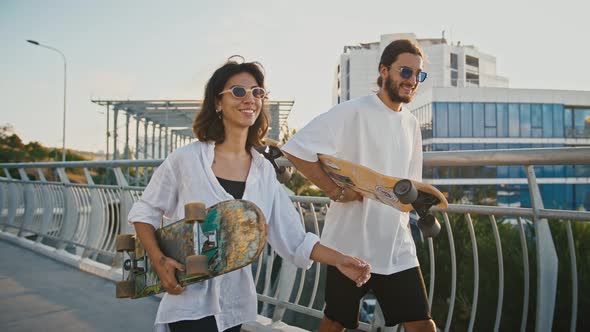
[63, 151]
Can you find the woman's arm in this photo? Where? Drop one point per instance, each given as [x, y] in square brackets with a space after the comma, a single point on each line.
[288, 238]
[165, 266]
[354, 268]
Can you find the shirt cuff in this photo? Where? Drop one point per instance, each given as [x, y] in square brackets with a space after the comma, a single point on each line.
[303, 253]
[144, 213]
[293, 147]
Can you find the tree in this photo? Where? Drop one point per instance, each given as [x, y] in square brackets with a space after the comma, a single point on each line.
[299, 184]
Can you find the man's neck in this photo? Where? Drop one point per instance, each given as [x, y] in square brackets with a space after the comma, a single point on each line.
[394, 106]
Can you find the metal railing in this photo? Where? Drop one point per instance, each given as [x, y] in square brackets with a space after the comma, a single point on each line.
[83, 220]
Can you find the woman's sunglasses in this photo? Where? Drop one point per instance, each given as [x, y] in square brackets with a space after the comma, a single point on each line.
[407, 72]
[240, 92]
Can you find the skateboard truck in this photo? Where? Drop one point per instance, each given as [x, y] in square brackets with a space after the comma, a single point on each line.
[272, 153]
[407, 193]
[210, 240]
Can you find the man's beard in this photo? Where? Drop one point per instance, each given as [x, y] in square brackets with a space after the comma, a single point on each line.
[393, 92]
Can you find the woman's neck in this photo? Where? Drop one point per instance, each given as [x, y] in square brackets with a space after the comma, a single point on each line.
[234, 143]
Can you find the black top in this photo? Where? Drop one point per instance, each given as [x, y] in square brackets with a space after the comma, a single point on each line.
[234, 188]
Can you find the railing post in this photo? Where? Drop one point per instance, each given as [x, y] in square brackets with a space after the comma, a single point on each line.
[48, 206]
[96, 215]
[546, 259]
[29, 203]
[126, 201]
[2, 195]
[285, 286]
[70, 211]
[12, 195]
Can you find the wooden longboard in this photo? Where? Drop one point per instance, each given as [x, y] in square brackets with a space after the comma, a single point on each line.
[211, 242]
[374, 185]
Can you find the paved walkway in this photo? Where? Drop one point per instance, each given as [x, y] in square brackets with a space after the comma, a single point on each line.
[40, 294]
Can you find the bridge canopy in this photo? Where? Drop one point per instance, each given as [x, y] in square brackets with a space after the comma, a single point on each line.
[175, 118]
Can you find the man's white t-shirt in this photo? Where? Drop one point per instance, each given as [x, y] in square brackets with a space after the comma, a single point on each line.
[365, 131]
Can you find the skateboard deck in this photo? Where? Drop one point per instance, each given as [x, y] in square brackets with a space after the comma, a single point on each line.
[403, 194]
[209, 242]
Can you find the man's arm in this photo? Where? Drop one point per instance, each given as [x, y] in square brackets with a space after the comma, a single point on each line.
[315, 173]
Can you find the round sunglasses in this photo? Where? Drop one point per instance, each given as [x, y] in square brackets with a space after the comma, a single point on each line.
[240, 92]
[407, 72]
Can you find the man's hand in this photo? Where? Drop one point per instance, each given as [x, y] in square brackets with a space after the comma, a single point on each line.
[355, 269]
[166, 269]
[343, 195]
[350, 195]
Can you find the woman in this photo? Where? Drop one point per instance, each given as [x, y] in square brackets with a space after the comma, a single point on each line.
[223, 165]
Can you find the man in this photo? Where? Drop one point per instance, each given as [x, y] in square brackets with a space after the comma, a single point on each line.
[377, 132]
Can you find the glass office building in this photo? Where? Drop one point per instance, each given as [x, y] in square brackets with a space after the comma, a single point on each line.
[478, 119]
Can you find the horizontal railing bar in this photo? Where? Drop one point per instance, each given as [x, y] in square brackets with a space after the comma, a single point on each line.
[516, 212]
[492, 157]
[88, 164]
[96, 250]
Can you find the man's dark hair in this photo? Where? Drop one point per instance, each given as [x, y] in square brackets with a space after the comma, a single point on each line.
[394, 49]
[208, 126]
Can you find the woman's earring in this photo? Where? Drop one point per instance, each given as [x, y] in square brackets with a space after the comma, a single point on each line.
[219, 114]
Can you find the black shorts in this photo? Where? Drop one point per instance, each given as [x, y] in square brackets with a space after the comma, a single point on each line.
[401, 296]
[206, 324]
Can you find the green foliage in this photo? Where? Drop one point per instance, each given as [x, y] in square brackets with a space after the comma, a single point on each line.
[299, 184]
[13, 150]
[513, 272]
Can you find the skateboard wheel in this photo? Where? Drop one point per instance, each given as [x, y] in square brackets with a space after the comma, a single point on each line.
[194, 212]
[405, 191]
[196, 264]
[125, 289]
[429, 226]
[125, 242]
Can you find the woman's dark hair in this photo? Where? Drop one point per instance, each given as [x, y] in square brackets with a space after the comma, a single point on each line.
[207, 125]
[394, 49]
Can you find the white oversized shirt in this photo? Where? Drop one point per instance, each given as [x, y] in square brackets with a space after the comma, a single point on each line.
[365, 131]
[186, 176]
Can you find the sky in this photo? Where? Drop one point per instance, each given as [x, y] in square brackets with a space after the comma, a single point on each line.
[168, 50]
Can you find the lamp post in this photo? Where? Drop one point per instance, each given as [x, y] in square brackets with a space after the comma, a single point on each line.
[63, 151]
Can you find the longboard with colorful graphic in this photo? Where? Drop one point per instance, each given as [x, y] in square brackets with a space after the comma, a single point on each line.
[209, 242]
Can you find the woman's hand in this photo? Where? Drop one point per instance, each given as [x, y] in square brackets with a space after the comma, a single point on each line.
[355, 269]
[166, 269]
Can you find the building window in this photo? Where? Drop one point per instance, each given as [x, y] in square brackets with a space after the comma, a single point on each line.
[581, 122]
[472, 79]
[455, 116]
[490, 120]
[441, 120]
[466, 120]
[478, 120]
[472, 61]
[525, 120]
[513, 120]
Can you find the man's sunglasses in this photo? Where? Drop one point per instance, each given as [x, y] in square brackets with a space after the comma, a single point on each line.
[240, 92]
[407, 72]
